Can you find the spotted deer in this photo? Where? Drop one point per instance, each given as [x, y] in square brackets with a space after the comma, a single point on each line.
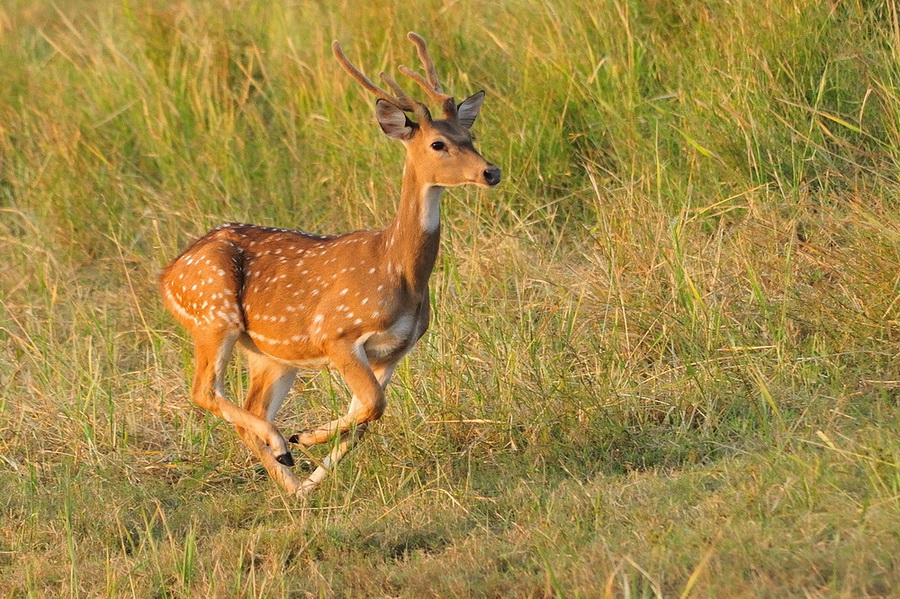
[356, 303]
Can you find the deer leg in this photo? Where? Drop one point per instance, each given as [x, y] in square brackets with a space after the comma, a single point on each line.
[348, 439]
[368, 396]
[270, 383]
[280, 473]
[213, 351]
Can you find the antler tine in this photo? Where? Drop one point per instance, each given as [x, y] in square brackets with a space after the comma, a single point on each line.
[403, 102]
[436, 94]
[425, 57]
[432, 86]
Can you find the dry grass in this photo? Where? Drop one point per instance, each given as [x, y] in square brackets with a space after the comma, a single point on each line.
[665, 356]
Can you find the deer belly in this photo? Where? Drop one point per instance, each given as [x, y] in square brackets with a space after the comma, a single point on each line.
[311, 364]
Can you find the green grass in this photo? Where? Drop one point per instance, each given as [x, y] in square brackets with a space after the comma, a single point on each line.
[665, 360]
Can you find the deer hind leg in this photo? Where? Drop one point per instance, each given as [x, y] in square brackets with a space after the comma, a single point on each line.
[270, 383]
[349, 438]
[214, 347]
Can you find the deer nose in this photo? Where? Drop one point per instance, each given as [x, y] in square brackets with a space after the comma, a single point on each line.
[492, 175]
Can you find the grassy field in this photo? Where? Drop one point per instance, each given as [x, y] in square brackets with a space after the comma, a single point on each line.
[665, 359]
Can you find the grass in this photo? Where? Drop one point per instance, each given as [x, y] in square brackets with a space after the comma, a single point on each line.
[664, 361]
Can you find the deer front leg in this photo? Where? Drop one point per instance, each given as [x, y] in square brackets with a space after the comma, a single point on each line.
[368, 397]
[348, 440]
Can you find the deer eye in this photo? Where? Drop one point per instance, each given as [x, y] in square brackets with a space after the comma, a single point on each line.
[438, 146]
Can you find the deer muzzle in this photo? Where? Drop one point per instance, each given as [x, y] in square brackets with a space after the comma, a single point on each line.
[492, 175]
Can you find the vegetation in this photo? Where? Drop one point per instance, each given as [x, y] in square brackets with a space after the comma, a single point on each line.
[664, 361]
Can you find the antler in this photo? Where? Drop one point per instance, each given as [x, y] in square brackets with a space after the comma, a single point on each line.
[401, 100]
[432, 87]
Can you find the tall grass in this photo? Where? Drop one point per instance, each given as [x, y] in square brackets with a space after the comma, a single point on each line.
[664, 357]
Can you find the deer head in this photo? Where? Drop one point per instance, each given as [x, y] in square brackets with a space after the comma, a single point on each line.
[440, 151]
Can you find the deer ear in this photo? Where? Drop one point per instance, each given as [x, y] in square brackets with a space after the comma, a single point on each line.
[393, 121]
[468, 109]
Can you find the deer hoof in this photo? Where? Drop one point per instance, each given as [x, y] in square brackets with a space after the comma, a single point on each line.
[286, 459]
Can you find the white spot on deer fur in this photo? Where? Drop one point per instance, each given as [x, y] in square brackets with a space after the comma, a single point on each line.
[371, 271]
[318, 318]
[365, 301]
[357, 321]
[262, 338]
[344, 291]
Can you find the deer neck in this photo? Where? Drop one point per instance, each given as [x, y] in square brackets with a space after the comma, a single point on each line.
[412, 240]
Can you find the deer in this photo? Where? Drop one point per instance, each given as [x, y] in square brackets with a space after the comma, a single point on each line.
[354, 303]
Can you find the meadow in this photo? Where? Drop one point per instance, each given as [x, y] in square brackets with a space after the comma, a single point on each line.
[665, 352]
